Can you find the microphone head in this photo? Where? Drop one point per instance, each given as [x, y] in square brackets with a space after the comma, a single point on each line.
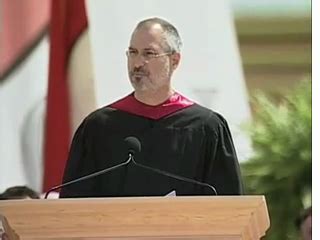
[133, 145]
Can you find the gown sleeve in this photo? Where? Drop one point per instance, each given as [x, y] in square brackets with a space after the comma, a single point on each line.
[79, 164]
[223, 167]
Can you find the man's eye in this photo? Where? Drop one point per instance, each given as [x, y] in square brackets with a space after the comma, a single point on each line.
[150, 54]
[132, 53]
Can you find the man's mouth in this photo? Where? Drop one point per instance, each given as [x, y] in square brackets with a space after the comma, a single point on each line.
[139, 75]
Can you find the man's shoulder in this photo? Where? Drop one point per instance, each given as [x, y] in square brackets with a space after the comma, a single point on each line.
[206, 114]
[110, 111]
[101, 118]
[102, 113]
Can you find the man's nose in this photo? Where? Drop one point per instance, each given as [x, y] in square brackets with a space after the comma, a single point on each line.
[139, 61]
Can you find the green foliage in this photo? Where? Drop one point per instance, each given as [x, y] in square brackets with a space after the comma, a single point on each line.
[281, 166]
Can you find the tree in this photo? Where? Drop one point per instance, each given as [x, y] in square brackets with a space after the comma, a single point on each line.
[280, 168]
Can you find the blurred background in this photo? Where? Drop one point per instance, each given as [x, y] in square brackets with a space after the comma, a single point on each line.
[275, 45]
[249, 60]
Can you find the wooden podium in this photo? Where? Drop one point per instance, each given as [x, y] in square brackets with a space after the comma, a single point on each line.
[222, 217]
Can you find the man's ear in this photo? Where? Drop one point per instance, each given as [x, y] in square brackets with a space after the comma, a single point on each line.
[175, 60]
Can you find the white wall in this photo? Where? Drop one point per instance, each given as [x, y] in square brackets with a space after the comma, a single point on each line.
[22, 103]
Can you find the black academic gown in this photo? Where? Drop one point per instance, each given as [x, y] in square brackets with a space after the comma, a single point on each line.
[193, 142]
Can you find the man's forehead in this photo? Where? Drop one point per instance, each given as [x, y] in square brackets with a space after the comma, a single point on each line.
[148, 36]
[151, 27]
[151, 31]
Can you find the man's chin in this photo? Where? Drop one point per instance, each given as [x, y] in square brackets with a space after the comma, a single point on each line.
[139, 85]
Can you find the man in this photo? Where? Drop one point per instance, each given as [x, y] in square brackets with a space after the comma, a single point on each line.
[176, 134]
[19, 192]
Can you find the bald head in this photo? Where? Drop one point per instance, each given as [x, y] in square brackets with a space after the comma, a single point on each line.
[170, 35]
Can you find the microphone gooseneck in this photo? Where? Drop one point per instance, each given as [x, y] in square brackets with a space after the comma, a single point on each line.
[89, 176]
[181, 178]
[133, 146]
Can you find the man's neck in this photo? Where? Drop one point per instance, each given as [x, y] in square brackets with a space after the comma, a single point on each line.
[153, 98]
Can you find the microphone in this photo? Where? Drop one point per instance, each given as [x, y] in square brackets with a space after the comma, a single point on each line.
[134, 146]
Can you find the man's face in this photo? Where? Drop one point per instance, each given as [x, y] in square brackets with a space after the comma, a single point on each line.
[150, 64]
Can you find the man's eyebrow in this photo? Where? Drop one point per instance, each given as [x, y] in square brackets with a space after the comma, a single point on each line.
[145, 49]
[148, 49]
